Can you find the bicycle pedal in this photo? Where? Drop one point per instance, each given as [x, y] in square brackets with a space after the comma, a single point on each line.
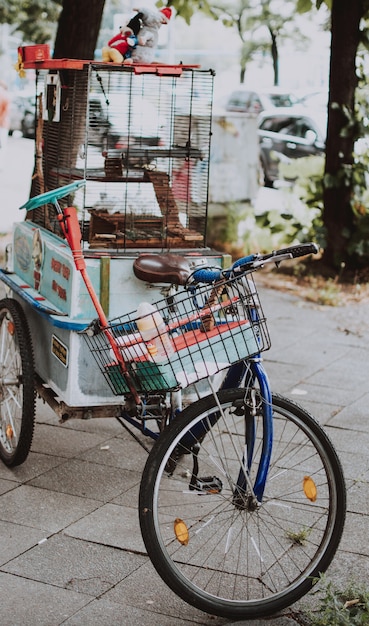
[208, 484]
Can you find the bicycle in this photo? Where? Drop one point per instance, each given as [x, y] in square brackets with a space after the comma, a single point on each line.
[242, 498]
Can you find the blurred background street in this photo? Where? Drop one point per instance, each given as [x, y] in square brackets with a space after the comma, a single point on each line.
[15, 181]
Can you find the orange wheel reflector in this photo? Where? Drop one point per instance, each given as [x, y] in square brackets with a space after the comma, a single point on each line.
[11, 328]
[181, 531]
[9, 432]
[310, 489]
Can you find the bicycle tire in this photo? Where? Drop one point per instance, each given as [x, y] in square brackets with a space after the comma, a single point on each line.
[17, 384]
[233, 562]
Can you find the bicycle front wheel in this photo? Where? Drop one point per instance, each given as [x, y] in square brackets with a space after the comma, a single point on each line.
[215, 547]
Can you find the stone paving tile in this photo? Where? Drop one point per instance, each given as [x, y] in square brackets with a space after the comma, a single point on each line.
[321, 394]
[284, 376]
[16, 539]
[86, 479]
[103, 612]
[305, 357]
[120, 453]
[7, 485]
[28, 602]
[355, 416]
[109, 426]
[35, 465]
[350, 373]
[293, 321]
[136, 591]
[355, 536]
[349, 441]
[283, 620]
[79, 566]
[106, 428]
[323, 413]
[111, 525]
[355, 466]
[47, 510]
[358, 496]
[145, 589]
[54, 439]
[129, 498]
[349, 567]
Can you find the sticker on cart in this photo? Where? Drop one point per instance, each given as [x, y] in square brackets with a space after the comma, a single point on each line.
[22, 252]
[37, 257]
[59, 350]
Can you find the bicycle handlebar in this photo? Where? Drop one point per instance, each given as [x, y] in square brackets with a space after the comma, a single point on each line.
[252, 262]
[299, 249]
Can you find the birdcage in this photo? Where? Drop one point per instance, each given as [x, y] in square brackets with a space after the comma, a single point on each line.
[140, 137]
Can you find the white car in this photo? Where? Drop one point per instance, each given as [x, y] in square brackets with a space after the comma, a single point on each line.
[288, 133]
[246, 100]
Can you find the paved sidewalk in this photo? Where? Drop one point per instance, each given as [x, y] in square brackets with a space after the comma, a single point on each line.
[70, 546]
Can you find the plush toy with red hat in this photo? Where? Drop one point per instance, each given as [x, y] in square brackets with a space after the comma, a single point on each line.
[119, 48]
[151, 20]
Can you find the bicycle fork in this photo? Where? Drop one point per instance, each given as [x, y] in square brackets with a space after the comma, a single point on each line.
[247, 494]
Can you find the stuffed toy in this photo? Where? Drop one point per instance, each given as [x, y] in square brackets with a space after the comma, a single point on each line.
[148, 35]
[119, 48]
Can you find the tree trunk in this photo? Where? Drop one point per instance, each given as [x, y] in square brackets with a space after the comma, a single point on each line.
[78, 29]
[274, 53]
[337, 214]
[76, 37]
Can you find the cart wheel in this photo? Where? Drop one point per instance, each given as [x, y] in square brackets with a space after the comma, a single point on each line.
[17, 388]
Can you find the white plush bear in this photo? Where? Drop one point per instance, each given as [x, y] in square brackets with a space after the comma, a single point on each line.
[151, 21]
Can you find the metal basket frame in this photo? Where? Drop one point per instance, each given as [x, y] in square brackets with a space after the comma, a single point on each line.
[208, 329]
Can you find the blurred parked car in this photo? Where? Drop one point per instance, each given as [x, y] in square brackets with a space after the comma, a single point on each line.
[244, 100]
[22, 115]
[285, 134]
[100, 128]
[317, 100]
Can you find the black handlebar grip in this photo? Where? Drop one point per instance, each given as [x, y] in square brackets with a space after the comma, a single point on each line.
[300, 249]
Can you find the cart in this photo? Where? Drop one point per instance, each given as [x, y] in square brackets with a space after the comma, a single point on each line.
[112, 310]
[130, 147]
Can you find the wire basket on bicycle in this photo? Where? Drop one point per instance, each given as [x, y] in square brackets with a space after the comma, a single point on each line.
[187, 336]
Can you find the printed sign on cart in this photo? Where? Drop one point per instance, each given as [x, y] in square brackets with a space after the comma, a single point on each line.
[59, 350]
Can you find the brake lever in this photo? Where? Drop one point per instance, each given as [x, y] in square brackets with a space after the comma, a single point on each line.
[277, 259]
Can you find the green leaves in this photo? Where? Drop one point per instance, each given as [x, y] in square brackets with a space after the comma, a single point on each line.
[187, 8]
[303, 6]
[349, 607]
[37, 20]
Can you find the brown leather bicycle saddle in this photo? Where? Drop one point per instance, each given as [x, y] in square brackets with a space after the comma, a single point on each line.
[162, 268]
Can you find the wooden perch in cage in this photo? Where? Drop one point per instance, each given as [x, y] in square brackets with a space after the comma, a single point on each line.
[148, 153]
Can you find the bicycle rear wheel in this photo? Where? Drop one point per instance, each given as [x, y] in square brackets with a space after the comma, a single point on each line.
[17, 384]
[222, 553]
